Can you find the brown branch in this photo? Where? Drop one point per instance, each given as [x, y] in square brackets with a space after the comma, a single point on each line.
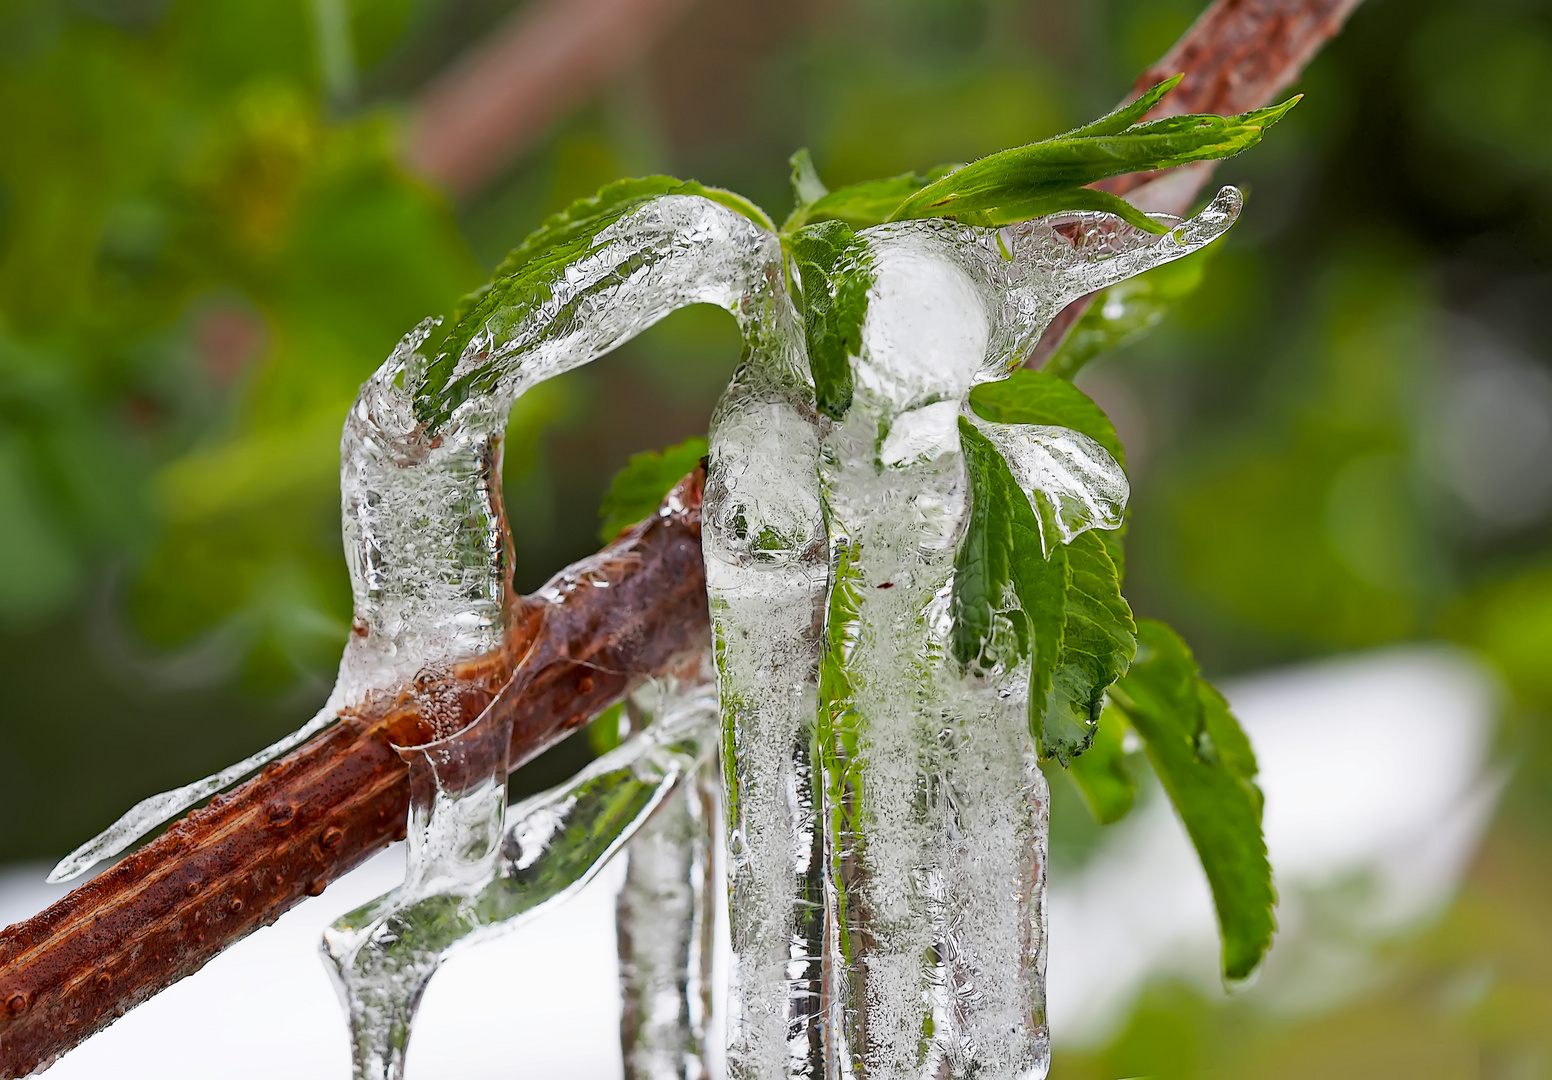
[494, 102]
[1238, 55]
[240, 862]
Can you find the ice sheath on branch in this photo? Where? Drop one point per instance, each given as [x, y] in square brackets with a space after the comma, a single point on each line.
[240, 862]
[164, 911]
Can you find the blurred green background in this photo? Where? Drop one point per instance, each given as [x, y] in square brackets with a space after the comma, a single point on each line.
[208, 239]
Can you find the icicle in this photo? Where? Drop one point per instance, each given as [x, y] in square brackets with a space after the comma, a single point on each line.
[666, 916]
[763, 538]
[468, 880]
[887, 813]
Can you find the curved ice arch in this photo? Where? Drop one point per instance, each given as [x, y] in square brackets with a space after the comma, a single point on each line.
[424, 535]
[424, 532]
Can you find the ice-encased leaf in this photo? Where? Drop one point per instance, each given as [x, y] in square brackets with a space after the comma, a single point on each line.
[530, 273]
[1036, 397]
[1208, 768]
[150, 812]
[1079, 628]
[1126, 312]
[836, 274]
[384, 953]
[1072, 482]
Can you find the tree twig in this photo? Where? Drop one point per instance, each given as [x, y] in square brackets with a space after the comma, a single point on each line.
[494, 102]
[240, 862]
[1238, 55]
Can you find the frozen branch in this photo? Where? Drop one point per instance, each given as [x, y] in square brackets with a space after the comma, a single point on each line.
[236, 865]
[244, 859]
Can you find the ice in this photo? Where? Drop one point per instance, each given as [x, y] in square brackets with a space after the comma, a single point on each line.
[666, 916]
[1073, 483]
[424, 530]
[763, 538]
[887, 812]
[467, 879]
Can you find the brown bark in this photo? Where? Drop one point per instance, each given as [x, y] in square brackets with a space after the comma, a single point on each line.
[1238, 55]
[241, 861]
[493, 103]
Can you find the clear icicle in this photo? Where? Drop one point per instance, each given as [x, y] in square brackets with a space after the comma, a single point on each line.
[666, 915]
[888, 849]
[763, 538]
[467, 880]
[425, 535]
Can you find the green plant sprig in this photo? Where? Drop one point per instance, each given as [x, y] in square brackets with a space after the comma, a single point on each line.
[1045, 177]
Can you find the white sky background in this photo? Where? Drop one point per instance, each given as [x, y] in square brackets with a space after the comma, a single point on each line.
[1378, 784]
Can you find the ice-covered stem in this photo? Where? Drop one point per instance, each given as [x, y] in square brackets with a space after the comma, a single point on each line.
[1238, 55]
[237, 864]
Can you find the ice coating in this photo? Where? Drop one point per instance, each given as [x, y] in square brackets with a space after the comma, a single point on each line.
[666, 922]
[887, 814]
[469, 879]
[1072, 482]
[424, 531]
[763, 539]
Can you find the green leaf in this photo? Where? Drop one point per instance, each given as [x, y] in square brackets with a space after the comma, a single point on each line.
[1042, 204]
[836, 272]
[638, 489]
[868, 203]
[1004, 186]
[1126, 115]
[1104, 781]
[983, 565]
[807, 188]
[839, 733]
[1209, 770]
[603, 731]
[1097, 644]
[525, 277]
[1035, 397]
[1126, 312]
[1075, 626]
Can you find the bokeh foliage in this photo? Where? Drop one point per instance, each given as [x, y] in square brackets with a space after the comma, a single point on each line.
[1342, 437]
